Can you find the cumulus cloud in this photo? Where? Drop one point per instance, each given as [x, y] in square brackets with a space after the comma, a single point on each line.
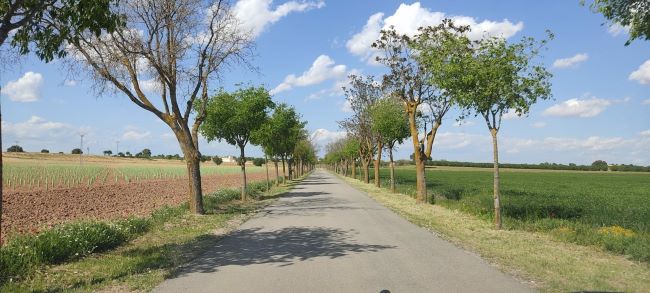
[583, 108]
[617, 29]
[645, 133]
[408, 18]
[572, 61]
[322, 69]
[25, 89]
[642, 74]
[646, 102]
[132, 133]
[70, 82]
[38, 127]
[256, 15]
[323, 136]
[511, 115]
[346, 107]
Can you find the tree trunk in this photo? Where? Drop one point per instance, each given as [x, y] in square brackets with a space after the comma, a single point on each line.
[392, 171]
[268, 181]
[242, 162]
[366, 170]
[193, 163]
[354, 169]
[497, 195]
[277, 173]
[378, 164]
[418, 153]
[284, 172]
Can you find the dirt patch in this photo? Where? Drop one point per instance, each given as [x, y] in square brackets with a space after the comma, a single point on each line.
[30, 211]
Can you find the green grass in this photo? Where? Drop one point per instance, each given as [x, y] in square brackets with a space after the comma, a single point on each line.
[538, 258]
[610, 210]
[169, 237]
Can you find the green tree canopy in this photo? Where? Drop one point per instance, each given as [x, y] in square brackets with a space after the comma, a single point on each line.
[390, 120]
[634, 14]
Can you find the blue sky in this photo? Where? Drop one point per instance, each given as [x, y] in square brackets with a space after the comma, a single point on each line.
[601, 88]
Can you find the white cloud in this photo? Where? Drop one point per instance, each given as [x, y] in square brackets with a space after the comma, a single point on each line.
[322, 69]
[539, 124]
[462, 123]
[133, 133]
[583, 108]
[642, 75]
[511, 115]
[617, 29]
[38, 128]
[346, 107]
[70, 82]
[408, 18]
[645, 133]
[646, 102]
[571, 61]
[25, 89]
[256, 15]
[150, 86]
[323, 136]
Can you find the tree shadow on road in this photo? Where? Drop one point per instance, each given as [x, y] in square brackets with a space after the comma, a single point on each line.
[280, 247]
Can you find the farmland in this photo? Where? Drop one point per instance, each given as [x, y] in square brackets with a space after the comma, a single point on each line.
[42, 190]
[603, 208]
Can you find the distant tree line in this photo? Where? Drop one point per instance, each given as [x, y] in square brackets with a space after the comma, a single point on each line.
[595, 166]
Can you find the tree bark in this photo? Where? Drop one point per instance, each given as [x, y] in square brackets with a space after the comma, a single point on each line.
[277, 173]
[366, 171]
[193, 163]
[268, 181]
[284, 172]
[378, 164]
[418, 153]
[354, 169]
[242, 162]
[497, 194]
[392, 170]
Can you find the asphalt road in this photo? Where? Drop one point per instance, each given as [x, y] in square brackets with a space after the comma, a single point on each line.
[325, 236]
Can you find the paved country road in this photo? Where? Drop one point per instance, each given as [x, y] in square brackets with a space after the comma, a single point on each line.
[325, 236]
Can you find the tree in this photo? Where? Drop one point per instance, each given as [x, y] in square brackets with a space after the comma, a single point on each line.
[45, 151]
[599, 165]
[108, 152]
[30, 22]
[350, 153]
[179, 46]
[422, 69]
[361, 95]
[391, 121]
[259, 162]
[233, 117]
[76, 151]
[145, 154]
[217, 160]
[128, 154]
[121, 155]
[634, 14]
[504, 78]
[15, 149]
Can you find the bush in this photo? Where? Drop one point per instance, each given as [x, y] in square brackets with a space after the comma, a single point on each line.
[65, 242]
[259, 161]
[45, 151]
[217, 160]
[77, 151]
[15, 149]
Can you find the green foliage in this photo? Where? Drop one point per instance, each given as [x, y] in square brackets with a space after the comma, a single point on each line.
[65, 242]
[259, 162]
[600, 165]
[15, 149]
[580, 207]
[144, 154]
[634, 14]
[217, 160]
[234, 116]
[279, 136]
[390, 120]
[46, 26]
[76, 151]
[45, 151]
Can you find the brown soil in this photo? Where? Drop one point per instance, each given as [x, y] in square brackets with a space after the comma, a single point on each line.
[30, 211]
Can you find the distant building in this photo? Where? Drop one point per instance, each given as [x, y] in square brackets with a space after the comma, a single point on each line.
[229, 159]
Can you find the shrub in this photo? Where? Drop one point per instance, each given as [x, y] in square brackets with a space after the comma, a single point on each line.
[77, 151]
[259, 161]
[217, 160]
[45, 151]
[15, 149]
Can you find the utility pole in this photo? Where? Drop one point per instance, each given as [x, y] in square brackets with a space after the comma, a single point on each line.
[81, 147]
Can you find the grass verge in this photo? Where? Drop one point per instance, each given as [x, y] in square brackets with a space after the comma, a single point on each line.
[172, 237]
[546, 263]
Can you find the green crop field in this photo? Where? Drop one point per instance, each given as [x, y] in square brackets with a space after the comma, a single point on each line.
[608, 209]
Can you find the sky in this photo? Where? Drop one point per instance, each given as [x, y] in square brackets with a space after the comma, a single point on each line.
[306, 49]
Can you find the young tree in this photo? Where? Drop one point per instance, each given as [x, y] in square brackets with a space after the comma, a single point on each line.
[504, 78]
[350, 152]
[179, 46]
[233, 117]
[634, 14]
[424, 70]
[217, 160]
[362, 94]
[391, 121]
[76, 151]
[108, 152]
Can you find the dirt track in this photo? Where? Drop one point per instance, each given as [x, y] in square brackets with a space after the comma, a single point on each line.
[29, 211]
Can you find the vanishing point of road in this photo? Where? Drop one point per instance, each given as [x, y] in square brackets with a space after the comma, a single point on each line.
[325, 236]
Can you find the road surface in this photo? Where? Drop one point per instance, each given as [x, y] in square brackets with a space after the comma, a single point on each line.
[325, 236]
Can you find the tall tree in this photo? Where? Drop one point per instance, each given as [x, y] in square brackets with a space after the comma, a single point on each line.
[30, 21]
[633, 14]
[422, 71]
[361, 95]
[391, 121]
[504, 78]
[176, 47]
[233, 117]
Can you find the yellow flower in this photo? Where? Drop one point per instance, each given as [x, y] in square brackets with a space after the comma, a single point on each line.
[616, 230]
